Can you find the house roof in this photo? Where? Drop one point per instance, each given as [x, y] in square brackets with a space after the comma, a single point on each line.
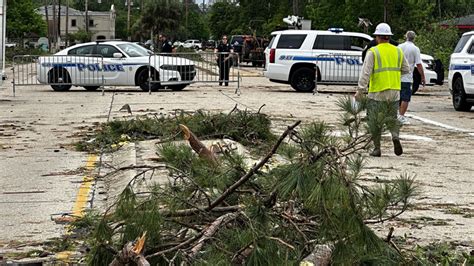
[466, 22]
[72, 12]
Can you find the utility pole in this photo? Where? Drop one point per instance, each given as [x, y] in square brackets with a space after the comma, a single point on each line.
[186, 12]
[47, 22]
[54, 25]
[87, 16]
[439, 8]
[296, 8]
[67, 23]
[59, 24]
[128, 20]
[385, 11]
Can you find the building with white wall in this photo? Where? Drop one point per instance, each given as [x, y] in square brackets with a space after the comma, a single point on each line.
[101, 24]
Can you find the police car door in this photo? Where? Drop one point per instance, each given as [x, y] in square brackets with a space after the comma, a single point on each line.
[470, 60]
[327, 50]
[338, 60]
[353, 59]
[113, 70]
[81, 64]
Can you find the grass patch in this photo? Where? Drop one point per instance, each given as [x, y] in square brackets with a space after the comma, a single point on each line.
[440, 254]
[250, 129]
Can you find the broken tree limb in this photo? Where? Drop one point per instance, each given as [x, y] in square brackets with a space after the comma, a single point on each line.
[193, 211]
[132, 252]
[254, 169]
[211, 231]
[197, 145]
[321, 256]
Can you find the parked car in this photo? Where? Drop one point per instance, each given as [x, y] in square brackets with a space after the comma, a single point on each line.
[177, 44]
[209, 44]
[193, 44]
[114, 63]
[461, 73]
[429, 63]
[297, 57]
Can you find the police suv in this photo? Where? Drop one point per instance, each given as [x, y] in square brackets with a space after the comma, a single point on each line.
[461, 73]
[301, 57]
[113, 63]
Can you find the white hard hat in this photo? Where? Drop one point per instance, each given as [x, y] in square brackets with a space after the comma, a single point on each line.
[383, 29]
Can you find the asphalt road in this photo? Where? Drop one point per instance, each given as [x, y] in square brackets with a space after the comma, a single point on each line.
[41, 173]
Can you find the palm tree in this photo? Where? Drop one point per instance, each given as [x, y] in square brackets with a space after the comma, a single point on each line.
[160, 16]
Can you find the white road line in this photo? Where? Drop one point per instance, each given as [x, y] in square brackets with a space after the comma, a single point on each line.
[410, 137]
[435, 123]
[337, 133]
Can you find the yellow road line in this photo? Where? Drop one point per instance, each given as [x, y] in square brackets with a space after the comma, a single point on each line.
[80, 204]
[85, 188]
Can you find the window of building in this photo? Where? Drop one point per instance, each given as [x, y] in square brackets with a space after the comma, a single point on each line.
[73, 23]
[91, 23]
[293, 41]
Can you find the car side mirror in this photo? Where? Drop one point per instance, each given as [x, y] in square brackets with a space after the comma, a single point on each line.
[118, 55]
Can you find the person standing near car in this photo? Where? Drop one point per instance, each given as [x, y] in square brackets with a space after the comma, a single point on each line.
[412, 55]
[166, 46]
[224, 58]
[383, 66]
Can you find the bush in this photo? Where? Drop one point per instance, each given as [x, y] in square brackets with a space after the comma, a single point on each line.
[19, 50]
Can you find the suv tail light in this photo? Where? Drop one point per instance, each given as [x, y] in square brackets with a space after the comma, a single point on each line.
[272, 55]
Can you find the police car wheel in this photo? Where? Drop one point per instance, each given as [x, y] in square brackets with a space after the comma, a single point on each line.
[459, 97]
[57, 76]
[142, 81]
[91, 88]
[303, 80]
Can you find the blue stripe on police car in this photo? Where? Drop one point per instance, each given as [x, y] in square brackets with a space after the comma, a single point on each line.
[337, 59]
[90, 67]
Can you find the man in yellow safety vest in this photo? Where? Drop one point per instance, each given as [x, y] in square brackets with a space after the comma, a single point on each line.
[383, 66]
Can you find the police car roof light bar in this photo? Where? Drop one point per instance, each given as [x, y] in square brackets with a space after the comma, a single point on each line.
[336, 30]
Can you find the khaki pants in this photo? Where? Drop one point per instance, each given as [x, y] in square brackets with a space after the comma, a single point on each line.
[381, 116]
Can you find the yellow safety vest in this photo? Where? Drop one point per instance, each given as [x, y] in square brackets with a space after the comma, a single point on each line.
[387, 68]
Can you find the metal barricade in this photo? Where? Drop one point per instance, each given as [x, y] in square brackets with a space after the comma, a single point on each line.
[177, 70]
[59, 71]
[338, 69]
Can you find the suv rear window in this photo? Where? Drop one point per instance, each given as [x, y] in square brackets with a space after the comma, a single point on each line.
[293, 41]
[462, 42]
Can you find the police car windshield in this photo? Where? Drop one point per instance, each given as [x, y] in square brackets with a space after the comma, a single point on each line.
[134, 50]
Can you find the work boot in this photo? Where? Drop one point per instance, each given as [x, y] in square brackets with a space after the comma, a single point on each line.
[397, 147]
[376, 152]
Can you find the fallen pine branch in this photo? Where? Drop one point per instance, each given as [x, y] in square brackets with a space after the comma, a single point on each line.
[254, 169]
[211, 231]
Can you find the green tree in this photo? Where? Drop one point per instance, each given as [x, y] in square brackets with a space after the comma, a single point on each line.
[222, 18]
[22, 19]
[160, 16]
[198, 27]
[438, 42]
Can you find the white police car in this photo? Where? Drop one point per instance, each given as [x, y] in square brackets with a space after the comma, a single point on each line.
[113, 63]
[461, 73]
[293, 55]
